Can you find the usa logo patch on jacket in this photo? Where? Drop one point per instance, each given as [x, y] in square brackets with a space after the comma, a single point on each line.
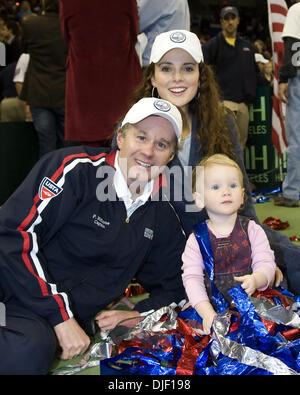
[48, 189]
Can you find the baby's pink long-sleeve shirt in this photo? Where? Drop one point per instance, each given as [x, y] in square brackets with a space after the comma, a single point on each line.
[193, 267]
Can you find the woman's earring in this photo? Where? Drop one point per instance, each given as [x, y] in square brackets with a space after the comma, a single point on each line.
[153, 90]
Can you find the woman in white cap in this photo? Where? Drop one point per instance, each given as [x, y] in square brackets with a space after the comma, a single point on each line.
[177, 73]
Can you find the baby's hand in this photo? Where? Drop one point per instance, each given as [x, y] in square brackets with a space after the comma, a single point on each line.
[248, 283]
[277, 279]
[252, 282]
[207, 322]
[207, 313]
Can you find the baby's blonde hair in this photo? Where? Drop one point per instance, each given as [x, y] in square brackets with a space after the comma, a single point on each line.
[217, 159]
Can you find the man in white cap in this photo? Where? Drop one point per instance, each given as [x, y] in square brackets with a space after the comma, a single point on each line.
[77, 231]
[233, 60]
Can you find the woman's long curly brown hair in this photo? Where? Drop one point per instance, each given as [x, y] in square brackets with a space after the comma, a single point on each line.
[212, 132]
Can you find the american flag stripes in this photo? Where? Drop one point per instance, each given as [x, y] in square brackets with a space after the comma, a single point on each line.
[277, 14]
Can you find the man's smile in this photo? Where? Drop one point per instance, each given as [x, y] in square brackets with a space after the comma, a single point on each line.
[144, 164]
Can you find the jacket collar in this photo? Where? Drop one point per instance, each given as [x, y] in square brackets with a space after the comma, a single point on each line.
[110, 158]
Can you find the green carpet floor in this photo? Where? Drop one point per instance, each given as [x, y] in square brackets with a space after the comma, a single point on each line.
[289, 214]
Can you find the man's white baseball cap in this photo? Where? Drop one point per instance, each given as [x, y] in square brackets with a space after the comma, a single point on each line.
[152, 106]
[259, 58]
[183, 39]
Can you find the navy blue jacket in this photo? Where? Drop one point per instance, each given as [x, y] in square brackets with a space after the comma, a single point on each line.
[234, 66]
[64, 252]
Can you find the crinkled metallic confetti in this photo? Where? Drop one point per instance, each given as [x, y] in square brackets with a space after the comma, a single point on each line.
[260, 199]
[276, 223]
[92, 357]
[294, 238]
[242, 353]
[257, 336]
[161, 320]
[134, 289]
[275, 313]
[240, 344]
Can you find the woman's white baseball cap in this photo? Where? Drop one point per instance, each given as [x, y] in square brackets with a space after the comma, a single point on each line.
[183, 39]
[153, 106]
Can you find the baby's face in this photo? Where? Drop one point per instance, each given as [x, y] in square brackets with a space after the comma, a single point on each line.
[222, 190]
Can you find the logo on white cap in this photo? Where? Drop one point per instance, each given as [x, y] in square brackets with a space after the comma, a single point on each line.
[178, 37]
[162, 105]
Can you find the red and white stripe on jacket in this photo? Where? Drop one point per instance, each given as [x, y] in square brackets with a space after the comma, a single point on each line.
[27, 230]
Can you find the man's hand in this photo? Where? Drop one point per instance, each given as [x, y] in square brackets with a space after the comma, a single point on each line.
[283, 92]
[72, 338]
[109, 319]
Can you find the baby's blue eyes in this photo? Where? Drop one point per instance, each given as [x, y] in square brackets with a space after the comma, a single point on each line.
[216, 186]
